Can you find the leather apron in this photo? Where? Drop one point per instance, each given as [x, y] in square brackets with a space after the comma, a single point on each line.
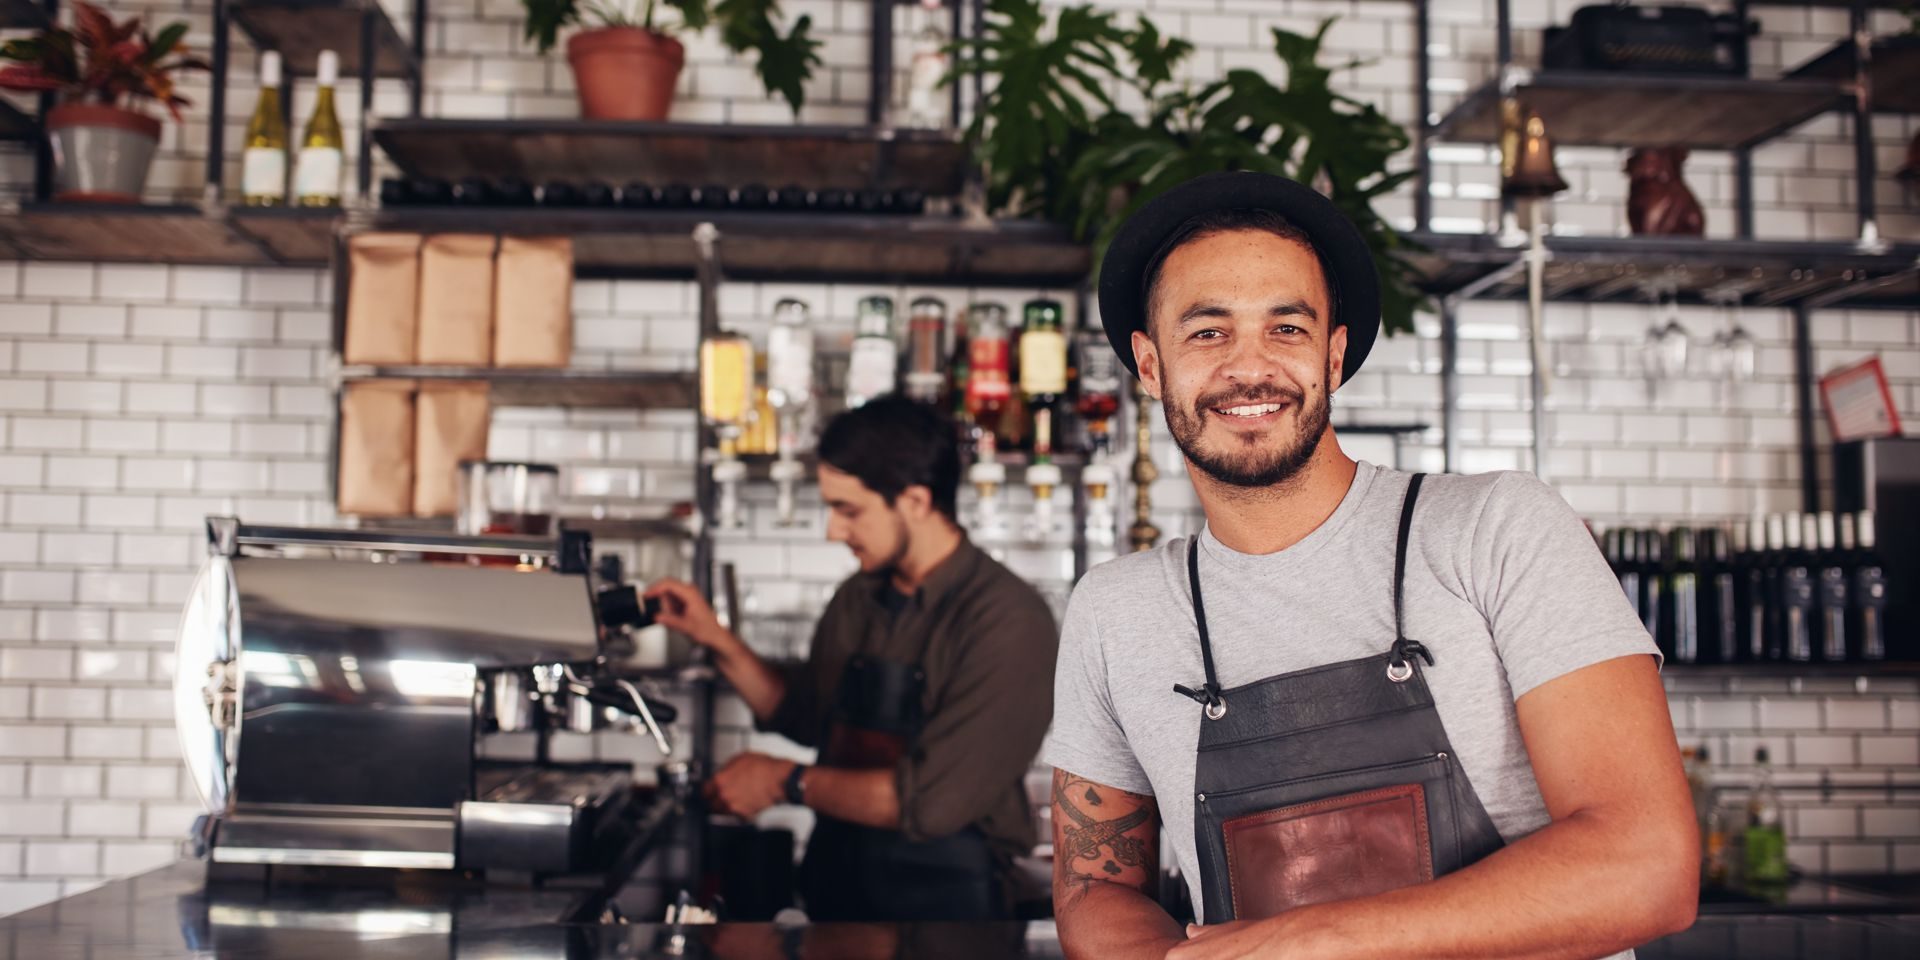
[858, 873]
[1329, 783]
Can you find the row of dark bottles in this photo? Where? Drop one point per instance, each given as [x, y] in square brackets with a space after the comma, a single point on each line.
[1782, 588]
[514, 192]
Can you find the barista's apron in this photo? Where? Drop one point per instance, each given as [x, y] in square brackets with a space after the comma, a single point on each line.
[857, 873]
[1330, 783]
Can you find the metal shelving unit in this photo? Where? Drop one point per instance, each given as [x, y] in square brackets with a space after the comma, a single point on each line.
[507, 386]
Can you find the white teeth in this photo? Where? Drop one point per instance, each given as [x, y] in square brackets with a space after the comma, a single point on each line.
[1255, 410]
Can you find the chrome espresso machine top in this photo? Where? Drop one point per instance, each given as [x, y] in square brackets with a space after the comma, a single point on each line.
[332, 688]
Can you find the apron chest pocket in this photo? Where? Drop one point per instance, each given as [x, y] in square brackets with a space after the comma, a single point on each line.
[1329, 837]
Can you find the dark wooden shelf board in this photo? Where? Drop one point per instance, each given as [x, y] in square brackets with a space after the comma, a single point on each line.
[1619, 269]
[570, 387]
[291, 235]
[1894, 71]
[782, 246]
[22, 15]
[300, 29]
[17, 125]
[128, 233]
[1632, 110]
[617, 152]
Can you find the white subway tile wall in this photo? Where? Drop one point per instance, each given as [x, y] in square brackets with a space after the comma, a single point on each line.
[135, 400]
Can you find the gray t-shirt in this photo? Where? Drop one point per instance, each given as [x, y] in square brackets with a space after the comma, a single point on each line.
[1504, 586]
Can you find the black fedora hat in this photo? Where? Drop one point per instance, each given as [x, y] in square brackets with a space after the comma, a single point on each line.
[1347, 260]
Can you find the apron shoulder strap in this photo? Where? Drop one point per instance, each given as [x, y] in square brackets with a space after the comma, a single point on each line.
[1210, 694]
[1401, 645]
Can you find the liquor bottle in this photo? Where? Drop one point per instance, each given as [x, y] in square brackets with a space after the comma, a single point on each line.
[1765, 843]
[926, 350]
[1830, 592]
[263, 172]
[316, 173]
[1043, 476]
[1099, 385]
[1774, 593]
[926, 108]
[1652, 592]
[727, 402]
[1721, 634]
[1754, 584]
[1623, 554]
[1867, 594]
[872, 368]
[988, 359]
[790, 395]
[1796, 592]
[1043, 361]
[1683, 598]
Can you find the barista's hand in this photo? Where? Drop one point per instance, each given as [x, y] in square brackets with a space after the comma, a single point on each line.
[682, 608]
[1242, 938]
[750, 783]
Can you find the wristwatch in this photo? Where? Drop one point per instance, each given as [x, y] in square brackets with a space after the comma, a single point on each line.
[796, 788]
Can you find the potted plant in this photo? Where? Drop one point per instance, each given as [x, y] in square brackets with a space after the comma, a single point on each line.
[102, 143]
[625, 65]
[1054, 142]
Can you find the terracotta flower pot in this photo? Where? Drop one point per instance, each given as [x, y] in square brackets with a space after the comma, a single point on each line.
[625, 73]
[101, 153]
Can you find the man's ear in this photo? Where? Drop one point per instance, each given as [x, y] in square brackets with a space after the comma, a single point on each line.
[1337, 358]
[1146, 358]
[915, 502]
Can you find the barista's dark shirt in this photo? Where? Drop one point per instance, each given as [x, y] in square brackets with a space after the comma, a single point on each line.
[986, 640]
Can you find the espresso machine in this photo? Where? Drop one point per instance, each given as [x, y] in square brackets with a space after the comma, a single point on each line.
[333, 688]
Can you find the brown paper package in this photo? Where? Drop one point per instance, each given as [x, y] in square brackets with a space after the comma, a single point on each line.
[533, 302]
[456, 300]
[452, 426]
[376, 448]
[382, 298]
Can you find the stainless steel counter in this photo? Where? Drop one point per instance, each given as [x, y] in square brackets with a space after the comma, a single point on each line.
[174, 914]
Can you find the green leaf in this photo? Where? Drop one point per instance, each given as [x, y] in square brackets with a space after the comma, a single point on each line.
[546, 18]
[164, 42]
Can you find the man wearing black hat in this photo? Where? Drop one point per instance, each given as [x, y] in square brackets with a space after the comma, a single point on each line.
[1378, 713]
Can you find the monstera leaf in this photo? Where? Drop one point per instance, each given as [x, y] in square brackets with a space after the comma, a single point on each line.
[1055, 143]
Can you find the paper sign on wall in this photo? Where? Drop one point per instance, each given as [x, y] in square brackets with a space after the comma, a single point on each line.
[1859, 403]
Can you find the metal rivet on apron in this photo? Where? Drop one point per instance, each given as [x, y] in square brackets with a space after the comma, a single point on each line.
[1400, 672]
[1216, 709]
[1203, 798]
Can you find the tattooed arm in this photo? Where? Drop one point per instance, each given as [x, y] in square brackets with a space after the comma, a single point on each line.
[1106, 863]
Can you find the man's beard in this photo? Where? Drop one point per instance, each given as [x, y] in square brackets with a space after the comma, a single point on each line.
[1252, 467]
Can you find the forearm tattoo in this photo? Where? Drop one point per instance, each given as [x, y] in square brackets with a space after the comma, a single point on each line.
[1102, 835]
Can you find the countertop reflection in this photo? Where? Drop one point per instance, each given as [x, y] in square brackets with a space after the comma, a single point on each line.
[174, 913]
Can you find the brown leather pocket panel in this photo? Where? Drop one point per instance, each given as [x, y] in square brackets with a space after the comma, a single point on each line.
[1339, 848]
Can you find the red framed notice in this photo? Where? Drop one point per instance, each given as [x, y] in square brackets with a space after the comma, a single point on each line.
[1859, 404]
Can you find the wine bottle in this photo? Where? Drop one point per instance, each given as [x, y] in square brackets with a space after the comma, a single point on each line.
[1796, 592]
[1683, 598]
[1722, 636]
[316, 175]
[1867, 594]
[1830, 579]
[1773, 593]
[1652, 599]
[1623, 554]
[263, 174]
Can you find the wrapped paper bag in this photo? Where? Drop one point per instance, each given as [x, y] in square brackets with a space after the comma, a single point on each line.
[382, 297]
[451, 426]
[376, 448]
[456, 300]
[533, 302]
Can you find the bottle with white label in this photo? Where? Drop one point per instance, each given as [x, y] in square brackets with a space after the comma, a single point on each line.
[263, 171]
[874, 367]
[790, 393]
[316, 175]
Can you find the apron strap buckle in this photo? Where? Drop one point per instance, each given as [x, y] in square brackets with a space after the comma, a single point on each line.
[1207, 696]
[1400, 668]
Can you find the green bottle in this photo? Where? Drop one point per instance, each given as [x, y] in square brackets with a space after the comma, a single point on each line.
[1765, 840]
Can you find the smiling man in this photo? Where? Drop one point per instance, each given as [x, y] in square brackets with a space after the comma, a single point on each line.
[1377, 714]
[927, 690]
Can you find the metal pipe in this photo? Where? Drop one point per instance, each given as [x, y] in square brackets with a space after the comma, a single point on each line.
[1803, 403]
[418, 93]
[369, 60]
[1449, 386]
[1503, 25]
[1864, 172]
[217, 103]
[1743, 193]
[1423, 111]
[880, 63]
[1536, 332]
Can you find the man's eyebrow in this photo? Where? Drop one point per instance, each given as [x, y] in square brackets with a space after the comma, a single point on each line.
[1210, 309]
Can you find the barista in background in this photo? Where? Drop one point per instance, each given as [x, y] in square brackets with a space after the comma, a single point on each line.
[927, 691]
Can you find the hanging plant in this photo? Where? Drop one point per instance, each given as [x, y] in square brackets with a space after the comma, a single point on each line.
[1054, 143]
